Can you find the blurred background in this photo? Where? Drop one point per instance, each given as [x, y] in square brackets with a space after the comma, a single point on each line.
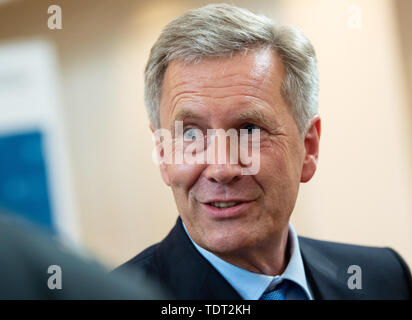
[75, 144]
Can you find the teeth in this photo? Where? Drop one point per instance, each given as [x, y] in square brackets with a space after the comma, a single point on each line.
[224, 204]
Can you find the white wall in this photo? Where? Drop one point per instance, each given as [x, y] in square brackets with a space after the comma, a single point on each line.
[362, 191]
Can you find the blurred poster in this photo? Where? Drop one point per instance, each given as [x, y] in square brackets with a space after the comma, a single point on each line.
[35, 179]
[23, 178]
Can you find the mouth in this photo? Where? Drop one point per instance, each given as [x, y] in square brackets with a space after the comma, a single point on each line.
[222, 205]
[226, 209]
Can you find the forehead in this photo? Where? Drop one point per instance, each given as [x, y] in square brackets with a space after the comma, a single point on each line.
[226, 82]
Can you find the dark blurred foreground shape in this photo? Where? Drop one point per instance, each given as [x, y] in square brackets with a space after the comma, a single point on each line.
[26, 255]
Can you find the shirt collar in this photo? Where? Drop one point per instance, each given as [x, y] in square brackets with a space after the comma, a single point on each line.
[250, 285]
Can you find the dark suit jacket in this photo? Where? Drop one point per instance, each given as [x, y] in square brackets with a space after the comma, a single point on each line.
[177, 264]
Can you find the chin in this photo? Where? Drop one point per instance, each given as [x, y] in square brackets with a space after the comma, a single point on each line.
[229, 241]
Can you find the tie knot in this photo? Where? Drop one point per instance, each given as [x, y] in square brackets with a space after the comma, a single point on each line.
[278, 293]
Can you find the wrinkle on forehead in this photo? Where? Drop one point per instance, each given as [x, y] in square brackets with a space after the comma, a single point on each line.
[248, 75]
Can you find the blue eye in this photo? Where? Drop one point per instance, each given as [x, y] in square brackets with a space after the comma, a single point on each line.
[191, 134]
[250, 127]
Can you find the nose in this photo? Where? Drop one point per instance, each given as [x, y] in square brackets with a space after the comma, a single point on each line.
[223, 173]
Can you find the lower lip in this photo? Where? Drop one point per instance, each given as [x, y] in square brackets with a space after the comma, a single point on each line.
[230, 212]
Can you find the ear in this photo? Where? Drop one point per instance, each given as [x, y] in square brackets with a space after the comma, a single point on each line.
[162, 165]
[311, 141]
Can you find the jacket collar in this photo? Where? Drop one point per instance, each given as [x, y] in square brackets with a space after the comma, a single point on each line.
[191, 276]
[188, 273]
[326, 277]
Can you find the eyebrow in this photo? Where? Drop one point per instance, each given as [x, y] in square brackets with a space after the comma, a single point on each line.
[255, 116]
[182, 115]
[259, 118]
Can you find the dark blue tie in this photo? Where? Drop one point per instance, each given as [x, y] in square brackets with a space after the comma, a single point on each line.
[279, 293]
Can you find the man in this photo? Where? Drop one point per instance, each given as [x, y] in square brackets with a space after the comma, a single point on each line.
[222, 67]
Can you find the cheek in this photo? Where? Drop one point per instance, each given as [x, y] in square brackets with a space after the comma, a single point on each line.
[280, 186]
[287, 157]
[183, 176]
[279, 169]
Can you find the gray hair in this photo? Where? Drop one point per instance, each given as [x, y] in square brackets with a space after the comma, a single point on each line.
[219, 30]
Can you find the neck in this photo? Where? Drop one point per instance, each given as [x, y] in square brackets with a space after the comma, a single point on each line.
[270, 257]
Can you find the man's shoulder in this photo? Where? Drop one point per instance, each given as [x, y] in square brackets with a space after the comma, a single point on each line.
[143, 261]
[382, 268]
[340, 249]
[346, 252]
[157, 259]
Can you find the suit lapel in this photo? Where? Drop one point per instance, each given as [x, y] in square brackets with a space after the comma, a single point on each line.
[189, 274]
[326, 278]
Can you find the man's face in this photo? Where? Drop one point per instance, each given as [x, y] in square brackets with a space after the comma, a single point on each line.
[241, 92]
